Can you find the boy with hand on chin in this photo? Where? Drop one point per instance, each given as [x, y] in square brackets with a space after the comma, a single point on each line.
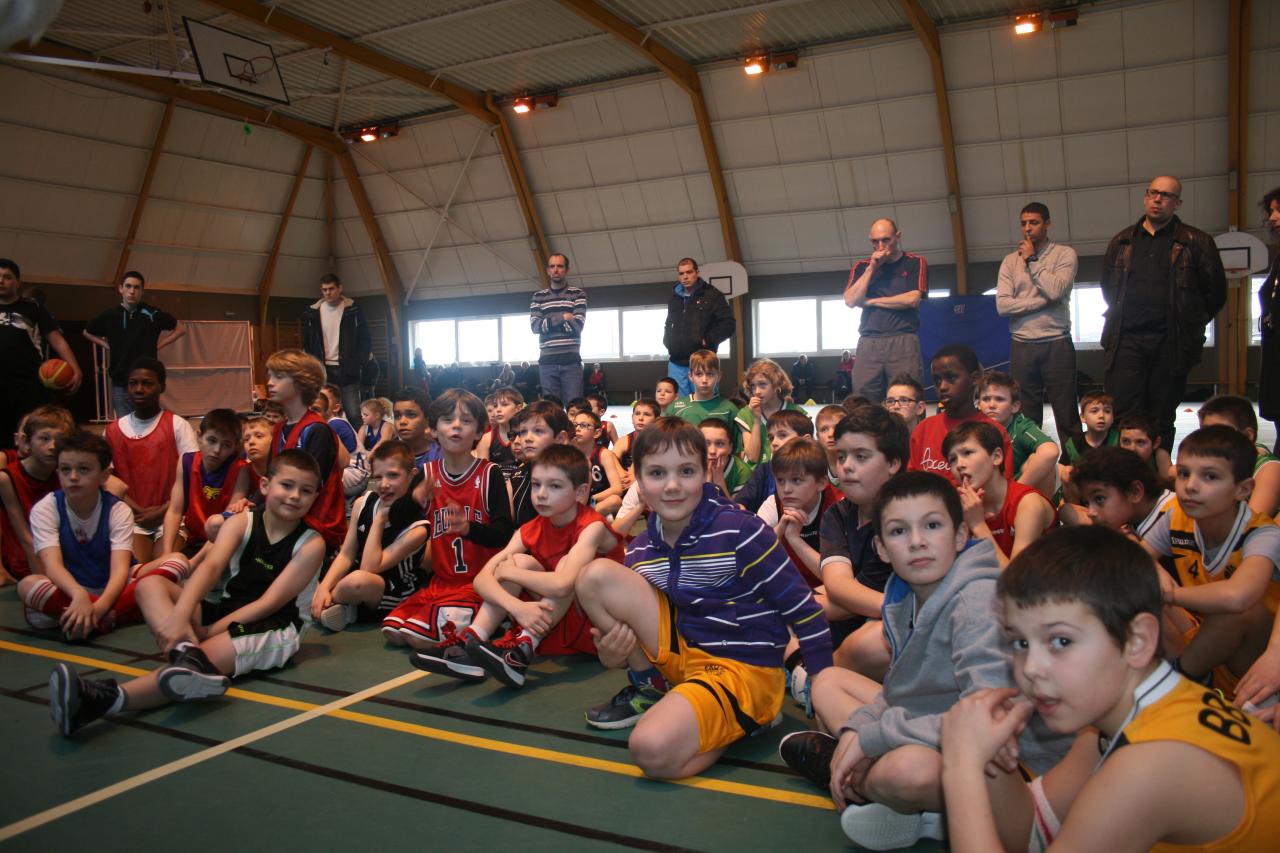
[1180, 767]
[885, 770]
[542, 560]
[704, 603]
[955, 370]
[1120, 490]
[270, 557]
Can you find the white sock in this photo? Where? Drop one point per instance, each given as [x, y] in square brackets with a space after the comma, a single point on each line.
[481, 634]
[118, 705]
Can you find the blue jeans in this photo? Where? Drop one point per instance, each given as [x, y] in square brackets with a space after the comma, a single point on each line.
[563, 381]
[120, 400]
[681, 375]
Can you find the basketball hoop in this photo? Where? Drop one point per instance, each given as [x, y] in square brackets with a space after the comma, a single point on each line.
[249, 70]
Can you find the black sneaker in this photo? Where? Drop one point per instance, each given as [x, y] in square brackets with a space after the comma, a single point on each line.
[625, 708]
[507, 658]
[73, 701]
[191, 676]
[810, 754]
[456, 657]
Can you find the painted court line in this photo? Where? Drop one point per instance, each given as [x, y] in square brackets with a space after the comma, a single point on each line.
[336, 710]
[59, 811]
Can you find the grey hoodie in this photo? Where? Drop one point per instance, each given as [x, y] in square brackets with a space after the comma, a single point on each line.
[952, 647]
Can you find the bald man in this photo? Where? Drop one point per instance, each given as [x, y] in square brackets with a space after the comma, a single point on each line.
[888, 287]
[1163, 282]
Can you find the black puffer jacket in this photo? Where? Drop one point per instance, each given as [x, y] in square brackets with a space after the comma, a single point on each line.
[1197, 290]
[354, 342]
[702, 320]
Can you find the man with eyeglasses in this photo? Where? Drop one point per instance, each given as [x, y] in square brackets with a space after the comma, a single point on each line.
[1033, 289]
[888, 287]
[557, 315]
[1163, 283]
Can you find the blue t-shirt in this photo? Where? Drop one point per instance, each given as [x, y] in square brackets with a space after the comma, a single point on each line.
[342, 429]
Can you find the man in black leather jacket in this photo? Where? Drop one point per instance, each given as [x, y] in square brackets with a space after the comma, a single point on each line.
[1163, 282]
[698, 317]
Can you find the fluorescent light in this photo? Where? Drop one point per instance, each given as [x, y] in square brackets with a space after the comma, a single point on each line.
[754, 66]
[1026, 24]
[521, 105]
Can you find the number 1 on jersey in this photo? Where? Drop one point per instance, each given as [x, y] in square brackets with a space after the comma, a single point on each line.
[459, 561]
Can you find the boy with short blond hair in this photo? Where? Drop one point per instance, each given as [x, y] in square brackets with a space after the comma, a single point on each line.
[705, 402]
[255, 622]
[1081, 610]
[380, 562]
[1035, 455]
[662, 614]
[25, 481]
[532, 579]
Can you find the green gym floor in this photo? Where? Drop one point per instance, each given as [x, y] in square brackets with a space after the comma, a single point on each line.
[349, 745]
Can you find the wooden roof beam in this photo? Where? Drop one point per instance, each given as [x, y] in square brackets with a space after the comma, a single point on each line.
[382, 255]
[144, 191]
[928, 35]
[269, 271]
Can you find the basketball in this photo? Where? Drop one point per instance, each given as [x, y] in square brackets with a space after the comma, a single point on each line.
[56, 374]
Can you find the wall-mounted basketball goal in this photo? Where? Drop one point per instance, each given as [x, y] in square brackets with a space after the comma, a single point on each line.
[236, 63]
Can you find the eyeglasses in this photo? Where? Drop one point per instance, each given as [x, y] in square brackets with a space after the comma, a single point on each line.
[876, 241]
[1162, 195]
[894, 402]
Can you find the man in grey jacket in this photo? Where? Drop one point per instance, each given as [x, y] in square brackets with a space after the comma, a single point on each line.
[945, 642]
[1034, 291]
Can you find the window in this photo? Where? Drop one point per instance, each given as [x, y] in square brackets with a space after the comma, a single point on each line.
[1255, 310]
[519, 343]
[642, 330]
[478, 340]
[437, 340]
[1088, 310]
[794, 326]
[600, 335]
[839, 325]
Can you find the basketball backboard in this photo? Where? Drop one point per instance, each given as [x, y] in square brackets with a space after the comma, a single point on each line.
[232, 61]
[1242, 253]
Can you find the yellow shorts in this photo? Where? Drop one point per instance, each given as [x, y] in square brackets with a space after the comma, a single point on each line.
[730, 699]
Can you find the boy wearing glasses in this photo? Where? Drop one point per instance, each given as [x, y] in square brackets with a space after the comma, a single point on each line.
[888, 287]
[906, 399]
[1163, 282]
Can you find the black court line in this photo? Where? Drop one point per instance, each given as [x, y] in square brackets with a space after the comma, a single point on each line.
[447, 713]
[519, 818]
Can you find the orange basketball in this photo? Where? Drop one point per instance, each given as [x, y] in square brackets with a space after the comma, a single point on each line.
[56, 374]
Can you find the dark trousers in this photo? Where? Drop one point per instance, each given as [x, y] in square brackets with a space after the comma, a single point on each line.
[1140, 379]
[1047, 371]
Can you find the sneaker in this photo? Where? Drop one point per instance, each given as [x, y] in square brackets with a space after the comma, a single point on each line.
[878, 827]
[508, 657]
[625, 709]
[335, 617]
[40, 620]
[456, 656]
[772, 724]
[191, 676]
[810, 754]
[73, 701]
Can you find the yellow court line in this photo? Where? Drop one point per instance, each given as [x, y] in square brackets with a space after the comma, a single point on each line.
[741, 789]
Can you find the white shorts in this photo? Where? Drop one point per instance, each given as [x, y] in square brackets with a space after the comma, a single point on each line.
[267, 649]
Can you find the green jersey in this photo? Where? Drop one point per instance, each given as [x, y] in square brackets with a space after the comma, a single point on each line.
[1078, 445]
[1025, 437]
[697, 411]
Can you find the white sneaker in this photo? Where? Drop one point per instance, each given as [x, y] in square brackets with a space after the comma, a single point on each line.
[335, 617]
[878, 827]
[799, 684]
[39, 620]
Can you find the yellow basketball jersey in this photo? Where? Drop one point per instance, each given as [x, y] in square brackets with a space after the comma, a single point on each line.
[1181, 710]
[1188, 550]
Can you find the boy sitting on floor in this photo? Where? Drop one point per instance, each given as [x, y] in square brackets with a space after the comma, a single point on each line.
[1035, 455]
[270, 556]
[541, 561]
[704, 604]
[25, 481]
[1237, 413]
[1120, 490]
[380, 563]
[1180, 768]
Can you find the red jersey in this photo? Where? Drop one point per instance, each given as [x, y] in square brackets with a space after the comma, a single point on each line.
[327, 515]
[1001, 525]
[926, 444]
[809, 533]
[207, 493]
[28, 490]
[548, 544]
[149, 464]
[456, 561]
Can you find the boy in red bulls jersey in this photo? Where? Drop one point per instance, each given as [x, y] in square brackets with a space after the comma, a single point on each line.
[25, 481]
[955, 370]
[532, 580]
[1009, 513]
[469, 509]
[145, 447]
[1180, 769]
[294, 379]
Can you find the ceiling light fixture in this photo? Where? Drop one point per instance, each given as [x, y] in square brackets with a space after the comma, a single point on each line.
[1025, 25]
[754, 65]
[370, 133]
[784, 61]
[522, 105]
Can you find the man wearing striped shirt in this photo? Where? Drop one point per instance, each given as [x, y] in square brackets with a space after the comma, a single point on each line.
[557, 315]
[706, 603]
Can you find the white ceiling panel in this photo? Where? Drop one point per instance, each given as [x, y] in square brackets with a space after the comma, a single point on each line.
[711, 239]
[1096, 159]
[746, 143]
[580, 211]
[1204, 203]
[1210, 147]
[910, 123]
[1030, 110]
[305, 237]
[667, 201]
[1159, 32]
[819, 235]
[654, 156]
[928, 224]
[974, 116]
[758, 191]
[986, 223]
[864, 181]
[609, 161]
[1211, 83]
[1018, 59]
[674, 242]
[1099, 214]
[1264, 87]
[810, 187]
[1093, 103]
[731, 94]
[622, 206]
[1161, 151]
[982, 170]
[855, 131]
[701, 196]
[625, 250]
[791, 90]
[918, 176]
[844, 78]
[1034, 165]
[900, 69]
[1159, 94]
[801, 138]
[594, 252]
[967, 57]
[1095, 44]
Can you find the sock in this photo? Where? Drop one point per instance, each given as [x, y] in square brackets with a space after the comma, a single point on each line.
[183, 646]
[792, 659]
[650, 678]
[121, 701]
[479, 633]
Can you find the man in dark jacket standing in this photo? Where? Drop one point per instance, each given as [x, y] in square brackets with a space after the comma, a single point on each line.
[698, 317]
[129, 331]
[334, 330]
[1163, 283]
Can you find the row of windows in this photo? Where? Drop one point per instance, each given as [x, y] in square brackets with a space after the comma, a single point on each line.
[783, 327]
[610, 334]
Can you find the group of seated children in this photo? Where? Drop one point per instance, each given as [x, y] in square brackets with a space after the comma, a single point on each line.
[959, 604]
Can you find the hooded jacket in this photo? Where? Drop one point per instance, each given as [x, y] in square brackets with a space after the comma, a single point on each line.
[354, 342]
[701, 320]
[949, 648]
